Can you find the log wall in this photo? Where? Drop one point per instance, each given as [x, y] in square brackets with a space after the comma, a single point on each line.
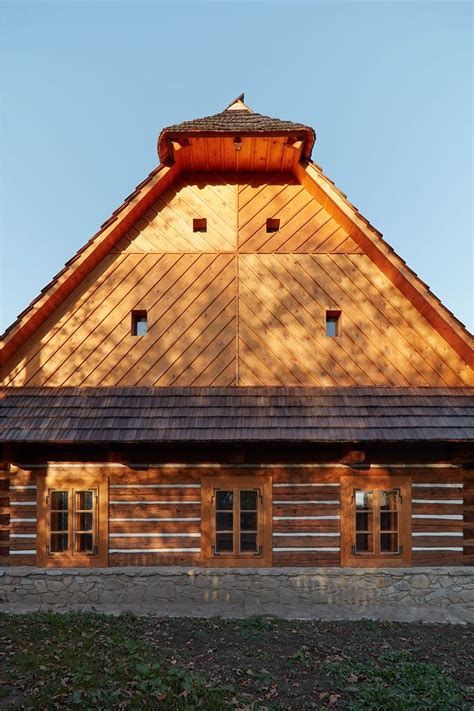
[437, 516]
[155, 514]
[4, 514]
[469, 520]
[306, 517]
[23, 516]
[155, 517]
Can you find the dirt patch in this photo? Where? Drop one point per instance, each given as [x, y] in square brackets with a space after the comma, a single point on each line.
[292, 662]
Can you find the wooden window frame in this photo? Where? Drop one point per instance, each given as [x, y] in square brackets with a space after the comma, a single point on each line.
[139, 315]
[334, 316]
[378, 481]
[66, 481]
[236, 483]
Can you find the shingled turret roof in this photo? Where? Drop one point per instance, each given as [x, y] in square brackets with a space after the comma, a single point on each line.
[236, 119]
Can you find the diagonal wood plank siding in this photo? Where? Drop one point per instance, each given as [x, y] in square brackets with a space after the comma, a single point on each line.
[305, 226]
[384, 341]
[190, 299]
[236, 304]
[168, 225]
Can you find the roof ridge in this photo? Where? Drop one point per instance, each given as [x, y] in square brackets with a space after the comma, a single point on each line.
[238, 104]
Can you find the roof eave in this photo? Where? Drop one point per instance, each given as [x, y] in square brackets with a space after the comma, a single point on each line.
[165, 149]
[240, 440]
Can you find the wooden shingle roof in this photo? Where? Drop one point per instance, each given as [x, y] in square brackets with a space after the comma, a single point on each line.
[236, 414]
[236, 120]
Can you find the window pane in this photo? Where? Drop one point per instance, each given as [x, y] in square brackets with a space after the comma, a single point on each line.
[364, 521]
[224, 521]
[364, 543]
[59, 501]
[141, 327]
[84, 522]
[139, 323]
[363, 499]
[388, 521]
[58, 542]
[248, 542]
[389, 500]
[331, 326]
[224, 500]
[59, 521]
[85, 542]
[389, 542]
[224, 542]
[248, 521]
[248, 500]
[84, 500]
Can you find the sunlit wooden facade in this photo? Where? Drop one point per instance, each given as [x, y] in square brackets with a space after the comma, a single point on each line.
[237, 274]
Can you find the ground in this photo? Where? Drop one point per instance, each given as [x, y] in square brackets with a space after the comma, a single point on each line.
[88, 661]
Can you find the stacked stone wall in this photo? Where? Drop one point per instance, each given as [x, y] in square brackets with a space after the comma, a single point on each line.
[427, 594]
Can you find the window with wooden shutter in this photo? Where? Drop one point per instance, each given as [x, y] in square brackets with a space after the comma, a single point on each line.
[236, 520]
[375, 521]
[72, 521]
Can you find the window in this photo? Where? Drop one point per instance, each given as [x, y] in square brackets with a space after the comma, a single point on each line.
[236, 520]
[139, 323]
[200, 224]
[72, 521]
[273, 224]
[375, 520]
[333, 323]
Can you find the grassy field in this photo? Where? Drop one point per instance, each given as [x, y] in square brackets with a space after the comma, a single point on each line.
[88, 661]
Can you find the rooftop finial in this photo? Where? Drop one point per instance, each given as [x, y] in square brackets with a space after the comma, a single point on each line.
[238, 104]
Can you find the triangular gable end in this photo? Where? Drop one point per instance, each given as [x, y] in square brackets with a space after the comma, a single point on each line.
[135, 216]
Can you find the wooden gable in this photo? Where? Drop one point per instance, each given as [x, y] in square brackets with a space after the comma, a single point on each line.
[240, 302]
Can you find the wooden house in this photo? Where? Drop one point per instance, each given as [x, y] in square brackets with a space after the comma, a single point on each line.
[236, 370]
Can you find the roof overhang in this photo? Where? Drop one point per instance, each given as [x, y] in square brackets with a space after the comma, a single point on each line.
[169, 140]
[141, 415]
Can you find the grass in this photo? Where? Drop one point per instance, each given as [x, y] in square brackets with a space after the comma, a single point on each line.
[87, 661]
[256, 624]
[397, 682]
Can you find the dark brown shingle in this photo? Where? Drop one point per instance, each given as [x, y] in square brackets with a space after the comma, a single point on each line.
[243, 414]
[232, 123]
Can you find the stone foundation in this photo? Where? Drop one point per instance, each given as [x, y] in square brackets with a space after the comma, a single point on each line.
[403, 594]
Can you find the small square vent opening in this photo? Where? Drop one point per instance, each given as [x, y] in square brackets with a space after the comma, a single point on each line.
[273, 224]
[200, 224]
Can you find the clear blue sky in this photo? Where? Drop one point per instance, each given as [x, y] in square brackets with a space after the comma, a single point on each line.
[87, 86]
